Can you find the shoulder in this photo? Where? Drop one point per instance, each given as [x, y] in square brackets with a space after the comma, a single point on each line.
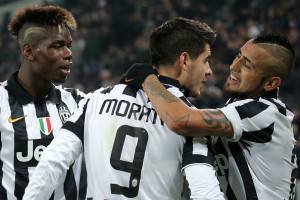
[249, 107]
[74, 93]
[3, 85]
[178, 93]
[95, 96]
[260, 111]
[3, 91]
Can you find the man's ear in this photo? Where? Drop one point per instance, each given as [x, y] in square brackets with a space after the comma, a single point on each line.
[27, 52]
[183, 60]
[272, 83]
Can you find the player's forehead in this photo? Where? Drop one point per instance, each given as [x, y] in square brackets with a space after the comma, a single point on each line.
[60, 33]
[206, 51]
[254, 52]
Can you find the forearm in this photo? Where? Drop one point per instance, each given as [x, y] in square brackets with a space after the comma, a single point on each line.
[170, 108]
[54, 163]
[182, 119]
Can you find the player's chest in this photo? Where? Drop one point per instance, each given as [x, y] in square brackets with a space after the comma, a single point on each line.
[26, 130]
[33, 121]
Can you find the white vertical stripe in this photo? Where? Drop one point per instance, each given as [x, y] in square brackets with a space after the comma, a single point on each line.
[54, 117]
[7, 151]
[77, 171]
[32, 124]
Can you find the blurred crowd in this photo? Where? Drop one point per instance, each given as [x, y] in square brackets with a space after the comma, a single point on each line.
[113, 34]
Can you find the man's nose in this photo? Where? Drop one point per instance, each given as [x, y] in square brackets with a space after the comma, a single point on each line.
[235, 65]
[68, 53]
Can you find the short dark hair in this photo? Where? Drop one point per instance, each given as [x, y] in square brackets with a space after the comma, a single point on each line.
[177, 35]
[282, 52]
[48, 15]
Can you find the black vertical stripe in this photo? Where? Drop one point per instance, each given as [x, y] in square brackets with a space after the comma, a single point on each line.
[41, 111]
[184, 99]
[242, 165]
[78, 127]
[74, 92]
[70, 189]
[251, 109]
[220, 149]
[3, 193]
[20, 133]
[229, 193]
[83, 181]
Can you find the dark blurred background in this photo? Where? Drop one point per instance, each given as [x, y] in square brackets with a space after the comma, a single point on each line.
[113, 34]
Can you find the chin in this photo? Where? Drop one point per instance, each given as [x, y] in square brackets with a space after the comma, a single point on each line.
[59, 81]
[229, 89]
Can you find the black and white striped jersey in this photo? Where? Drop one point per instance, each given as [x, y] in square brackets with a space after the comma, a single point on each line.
[257, 163]
[129, 152]
[27, 127]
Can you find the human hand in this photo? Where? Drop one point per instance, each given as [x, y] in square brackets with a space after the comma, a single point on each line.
[136, 75]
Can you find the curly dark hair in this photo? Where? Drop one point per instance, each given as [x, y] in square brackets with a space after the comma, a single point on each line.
[48, 15]
[176, 36]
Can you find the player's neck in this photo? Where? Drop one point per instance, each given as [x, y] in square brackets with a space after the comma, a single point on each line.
[168, 71]
[34, 85]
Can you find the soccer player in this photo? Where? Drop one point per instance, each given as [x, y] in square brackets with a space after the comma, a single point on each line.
[130, 153]
[32, 109]
[254, 154]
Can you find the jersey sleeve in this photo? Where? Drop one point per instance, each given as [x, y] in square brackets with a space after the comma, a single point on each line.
[77, 94]
[55, 161]
[252, 120]
[198, 168]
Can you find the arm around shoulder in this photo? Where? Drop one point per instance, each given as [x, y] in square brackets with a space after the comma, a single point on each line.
[182, 119]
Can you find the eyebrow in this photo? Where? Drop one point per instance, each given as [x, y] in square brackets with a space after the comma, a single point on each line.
[62, 41]
[247, 59]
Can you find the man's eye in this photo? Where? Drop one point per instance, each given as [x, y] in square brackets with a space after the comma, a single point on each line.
[59, 44]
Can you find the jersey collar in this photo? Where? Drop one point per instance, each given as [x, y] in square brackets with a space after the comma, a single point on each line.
[23, 97]
[173, 82]
[272, 94]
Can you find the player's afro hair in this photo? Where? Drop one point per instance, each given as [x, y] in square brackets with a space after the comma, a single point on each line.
[41, 15]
